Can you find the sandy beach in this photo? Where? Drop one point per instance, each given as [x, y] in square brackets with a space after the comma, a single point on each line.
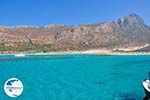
[92, 51]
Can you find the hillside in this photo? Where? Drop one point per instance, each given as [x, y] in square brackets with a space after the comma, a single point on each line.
[124, 33]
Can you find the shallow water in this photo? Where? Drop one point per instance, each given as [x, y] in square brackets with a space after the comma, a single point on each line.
[76, 77]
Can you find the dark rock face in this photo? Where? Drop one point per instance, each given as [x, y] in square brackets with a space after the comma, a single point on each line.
[125, 32]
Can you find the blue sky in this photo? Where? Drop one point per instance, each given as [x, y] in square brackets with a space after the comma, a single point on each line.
[69, 12]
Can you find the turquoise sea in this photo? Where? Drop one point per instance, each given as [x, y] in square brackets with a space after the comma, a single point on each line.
[76, 77]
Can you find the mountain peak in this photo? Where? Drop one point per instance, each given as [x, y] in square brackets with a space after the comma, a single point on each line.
[133, 15]
[134, 19]
[130, 22]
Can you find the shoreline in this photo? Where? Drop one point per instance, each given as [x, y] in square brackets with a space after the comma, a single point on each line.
[89, 52]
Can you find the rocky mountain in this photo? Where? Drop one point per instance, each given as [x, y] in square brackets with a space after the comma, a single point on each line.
[127, 32]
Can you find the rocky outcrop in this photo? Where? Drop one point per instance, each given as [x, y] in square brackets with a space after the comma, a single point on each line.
[130, 31]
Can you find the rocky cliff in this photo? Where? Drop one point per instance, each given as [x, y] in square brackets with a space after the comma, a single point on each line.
[127, 32]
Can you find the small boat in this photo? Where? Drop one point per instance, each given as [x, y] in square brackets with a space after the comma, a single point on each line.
[20, 55]
[146, 86]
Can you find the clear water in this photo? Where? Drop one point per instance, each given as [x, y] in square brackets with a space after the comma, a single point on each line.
[76, 77]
